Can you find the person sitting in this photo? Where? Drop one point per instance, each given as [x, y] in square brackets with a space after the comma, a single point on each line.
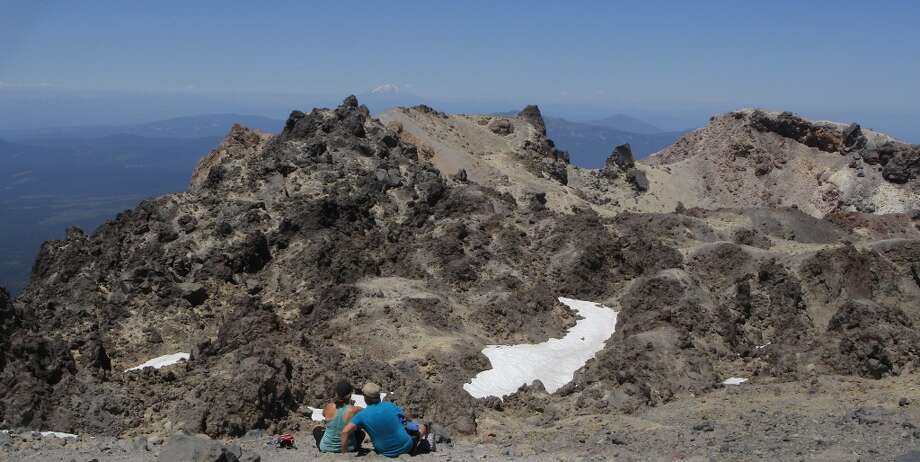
[338, 414]
[384, 422]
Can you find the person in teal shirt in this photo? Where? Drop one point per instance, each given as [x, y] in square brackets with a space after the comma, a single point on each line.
[384, 423]
[337, 414]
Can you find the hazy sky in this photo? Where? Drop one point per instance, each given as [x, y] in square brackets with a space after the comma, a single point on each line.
[841, 59]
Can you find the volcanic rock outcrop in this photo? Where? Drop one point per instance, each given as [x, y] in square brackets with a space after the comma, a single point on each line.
[755, 158]
[393, 250]
[328, 250]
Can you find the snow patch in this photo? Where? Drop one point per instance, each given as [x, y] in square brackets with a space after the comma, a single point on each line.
[552, 362]
[316, 414]
[734, 381]
[162, 361]
[61, 435]
[359, 399]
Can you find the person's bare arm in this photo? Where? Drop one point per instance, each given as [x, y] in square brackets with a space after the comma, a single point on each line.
[329, 411]
[346, 432]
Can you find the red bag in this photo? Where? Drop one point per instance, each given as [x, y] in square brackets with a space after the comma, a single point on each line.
[286, 440]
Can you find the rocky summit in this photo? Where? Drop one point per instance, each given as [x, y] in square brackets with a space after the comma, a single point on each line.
[394, 249]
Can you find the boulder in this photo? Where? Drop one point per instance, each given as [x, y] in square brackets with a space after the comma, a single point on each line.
[194, 293]
[903, 165]
[187, 223]
[188, 448]
[638, 179]
[853, 137]
[537, 201]
[501, 126]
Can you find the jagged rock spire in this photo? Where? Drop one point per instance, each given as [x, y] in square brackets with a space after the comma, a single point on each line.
[532, 115]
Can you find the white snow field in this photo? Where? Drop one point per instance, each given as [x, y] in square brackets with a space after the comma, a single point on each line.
[552, 362]
[161, 361]
[316, 414]
[54, 434]
[734, 381]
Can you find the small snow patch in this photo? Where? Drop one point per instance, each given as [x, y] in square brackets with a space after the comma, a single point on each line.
[316, 414]
[734, 381]
[162, 361]
[359, 399]
[552, 362]
[61, 435]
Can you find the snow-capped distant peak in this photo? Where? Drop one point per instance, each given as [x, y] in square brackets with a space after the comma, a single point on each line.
[386, 88]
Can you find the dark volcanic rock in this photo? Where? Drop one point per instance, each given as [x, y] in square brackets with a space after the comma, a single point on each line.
[874, 340]
[853, 137]
[652, 355]
[638, 179]
[622, 157]
[789, 125]
[538, 153]
[620, 160]
[193, 292]
[532, 115]
[902, 164]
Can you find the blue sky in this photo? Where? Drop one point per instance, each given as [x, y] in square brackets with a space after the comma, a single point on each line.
[674, 61]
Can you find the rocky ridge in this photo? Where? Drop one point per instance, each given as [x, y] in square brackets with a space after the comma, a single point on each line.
[767, 159]
[394, 250]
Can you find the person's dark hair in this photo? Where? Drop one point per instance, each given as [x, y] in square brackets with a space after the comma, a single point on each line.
[343, 390]
[371, 400]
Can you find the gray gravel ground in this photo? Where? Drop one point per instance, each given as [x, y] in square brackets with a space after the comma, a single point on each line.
[833, 419]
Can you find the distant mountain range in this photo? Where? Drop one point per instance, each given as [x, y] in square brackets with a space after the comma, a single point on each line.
[178, 127]
[627, 123]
